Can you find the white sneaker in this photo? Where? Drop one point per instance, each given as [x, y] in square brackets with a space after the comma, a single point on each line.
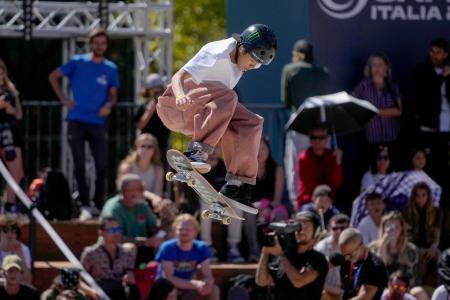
[85, 214]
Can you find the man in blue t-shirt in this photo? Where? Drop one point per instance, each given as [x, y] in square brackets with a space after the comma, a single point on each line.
[94, 81]
[178, 259]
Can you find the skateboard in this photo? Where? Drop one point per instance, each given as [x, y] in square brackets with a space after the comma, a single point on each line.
[219, 208]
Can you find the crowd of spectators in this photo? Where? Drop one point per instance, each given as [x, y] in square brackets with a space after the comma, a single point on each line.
[387, 255]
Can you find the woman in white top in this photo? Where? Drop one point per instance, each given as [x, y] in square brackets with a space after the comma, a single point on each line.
[9, 243]
[145, 160]
[379, 167]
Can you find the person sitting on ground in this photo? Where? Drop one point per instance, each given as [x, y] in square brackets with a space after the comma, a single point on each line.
[398, 287]
[163, 289]
[135, 217]
[110, 263]
[318, 165]
[328, 246]
[393, 247]
[424, 220]
[363, 274]
[322, 204]
[14, 288]
[380, 162]
[179, 259]
[9, 243]
[370, 224]
[145, 160]
[443, 291]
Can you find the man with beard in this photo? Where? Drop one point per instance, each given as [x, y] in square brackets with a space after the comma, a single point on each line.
[296, 274]
[179, 259]
[94, 81]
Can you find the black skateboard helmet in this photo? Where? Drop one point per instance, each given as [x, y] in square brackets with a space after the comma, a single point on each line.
[260, 41]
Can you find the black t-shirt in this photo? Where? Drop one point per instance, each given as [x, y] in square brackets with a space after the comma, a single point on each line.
[370, 271]
[155, 127]
[25, 293]
[283, 286]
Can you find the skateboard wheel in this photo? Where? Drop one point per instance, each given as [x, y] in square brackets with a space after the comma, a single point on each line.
[170, 176]
[190, 182]
[205, 214]
[226, 221]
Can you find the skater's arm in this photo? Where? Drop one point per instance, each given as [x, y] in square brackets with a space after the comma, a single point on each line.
[178, 82]
[263, 278]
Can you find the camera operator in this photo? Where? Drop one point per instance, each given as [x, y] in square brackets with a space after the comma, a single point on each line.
[10, 114]
[297, 272]
[363, 274]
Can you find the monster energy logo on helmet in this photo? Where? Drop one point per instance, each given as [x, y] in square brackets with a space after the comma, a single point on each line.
[253, 36]
[260, 41]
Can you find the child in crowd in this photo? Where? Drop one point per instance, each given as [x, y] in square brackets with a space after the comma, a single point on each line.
[369, 225]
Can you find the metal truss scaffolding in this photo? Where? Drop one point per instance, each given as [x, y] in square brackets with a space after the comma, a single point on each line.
[148, 23]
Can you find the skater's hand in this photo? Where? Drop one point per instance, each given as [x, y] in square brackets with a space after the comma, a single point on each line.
[183, 102]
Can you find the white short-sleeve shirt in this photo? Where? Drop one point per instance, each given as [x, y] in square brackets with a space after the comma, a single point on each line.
[213, 64]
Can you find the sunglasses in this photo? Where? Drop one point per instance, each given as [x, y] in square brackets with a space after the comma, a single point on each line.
[317, 137]
[113, 230]
[397, 287]
[10, 229]
[336, 228]
[382, 157]
[146, 146]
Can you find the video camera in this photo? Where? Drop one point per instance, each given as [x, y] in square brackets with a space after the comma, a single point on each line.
[285, 233]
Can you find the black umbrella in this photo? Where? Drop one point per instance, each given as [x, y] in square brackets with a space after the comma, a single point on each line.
[342, 112]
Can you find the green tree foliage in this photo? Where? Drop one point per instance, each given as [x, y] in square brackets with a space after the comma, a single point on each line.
[196, 22]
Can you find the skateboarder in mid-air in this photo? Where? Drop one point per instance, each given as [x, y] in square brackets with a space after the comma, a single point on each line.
[200, 102]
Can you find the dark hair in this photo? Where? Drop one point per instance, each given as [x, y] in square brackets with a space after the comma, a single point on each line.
[413, 152]
[11, 220]
[340, 219]
[96, 32]
[105, 220]
[403, 276]
[373, 196]
[320, 125]
[373, 158]
[440, 43]
[161, 289]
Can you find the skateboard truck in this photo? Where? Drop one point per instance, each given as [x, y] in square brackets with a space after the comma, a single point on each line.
[216, 212]
[170, 176]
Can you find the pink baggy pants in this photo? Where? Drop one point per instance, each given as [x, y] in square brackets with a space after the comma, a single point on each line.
[216, 117]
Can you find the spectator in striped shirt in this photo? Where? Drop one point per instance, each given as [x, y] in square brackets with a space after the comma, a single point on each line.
[379, 89]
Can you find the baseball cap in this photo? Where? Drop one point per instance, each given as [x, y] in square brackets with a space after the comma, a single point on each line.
[321, 190]
[11, 261]
[154, 80]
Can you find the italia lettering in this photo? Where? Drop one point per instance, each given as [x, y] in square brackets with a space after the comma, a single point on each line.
[407, 13]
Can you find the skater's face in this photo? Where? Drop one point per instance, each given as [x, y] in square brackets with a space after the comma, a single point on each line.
[186, 231]
[245, 62]
[421, 197]
[419, 160]
[438, 56]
